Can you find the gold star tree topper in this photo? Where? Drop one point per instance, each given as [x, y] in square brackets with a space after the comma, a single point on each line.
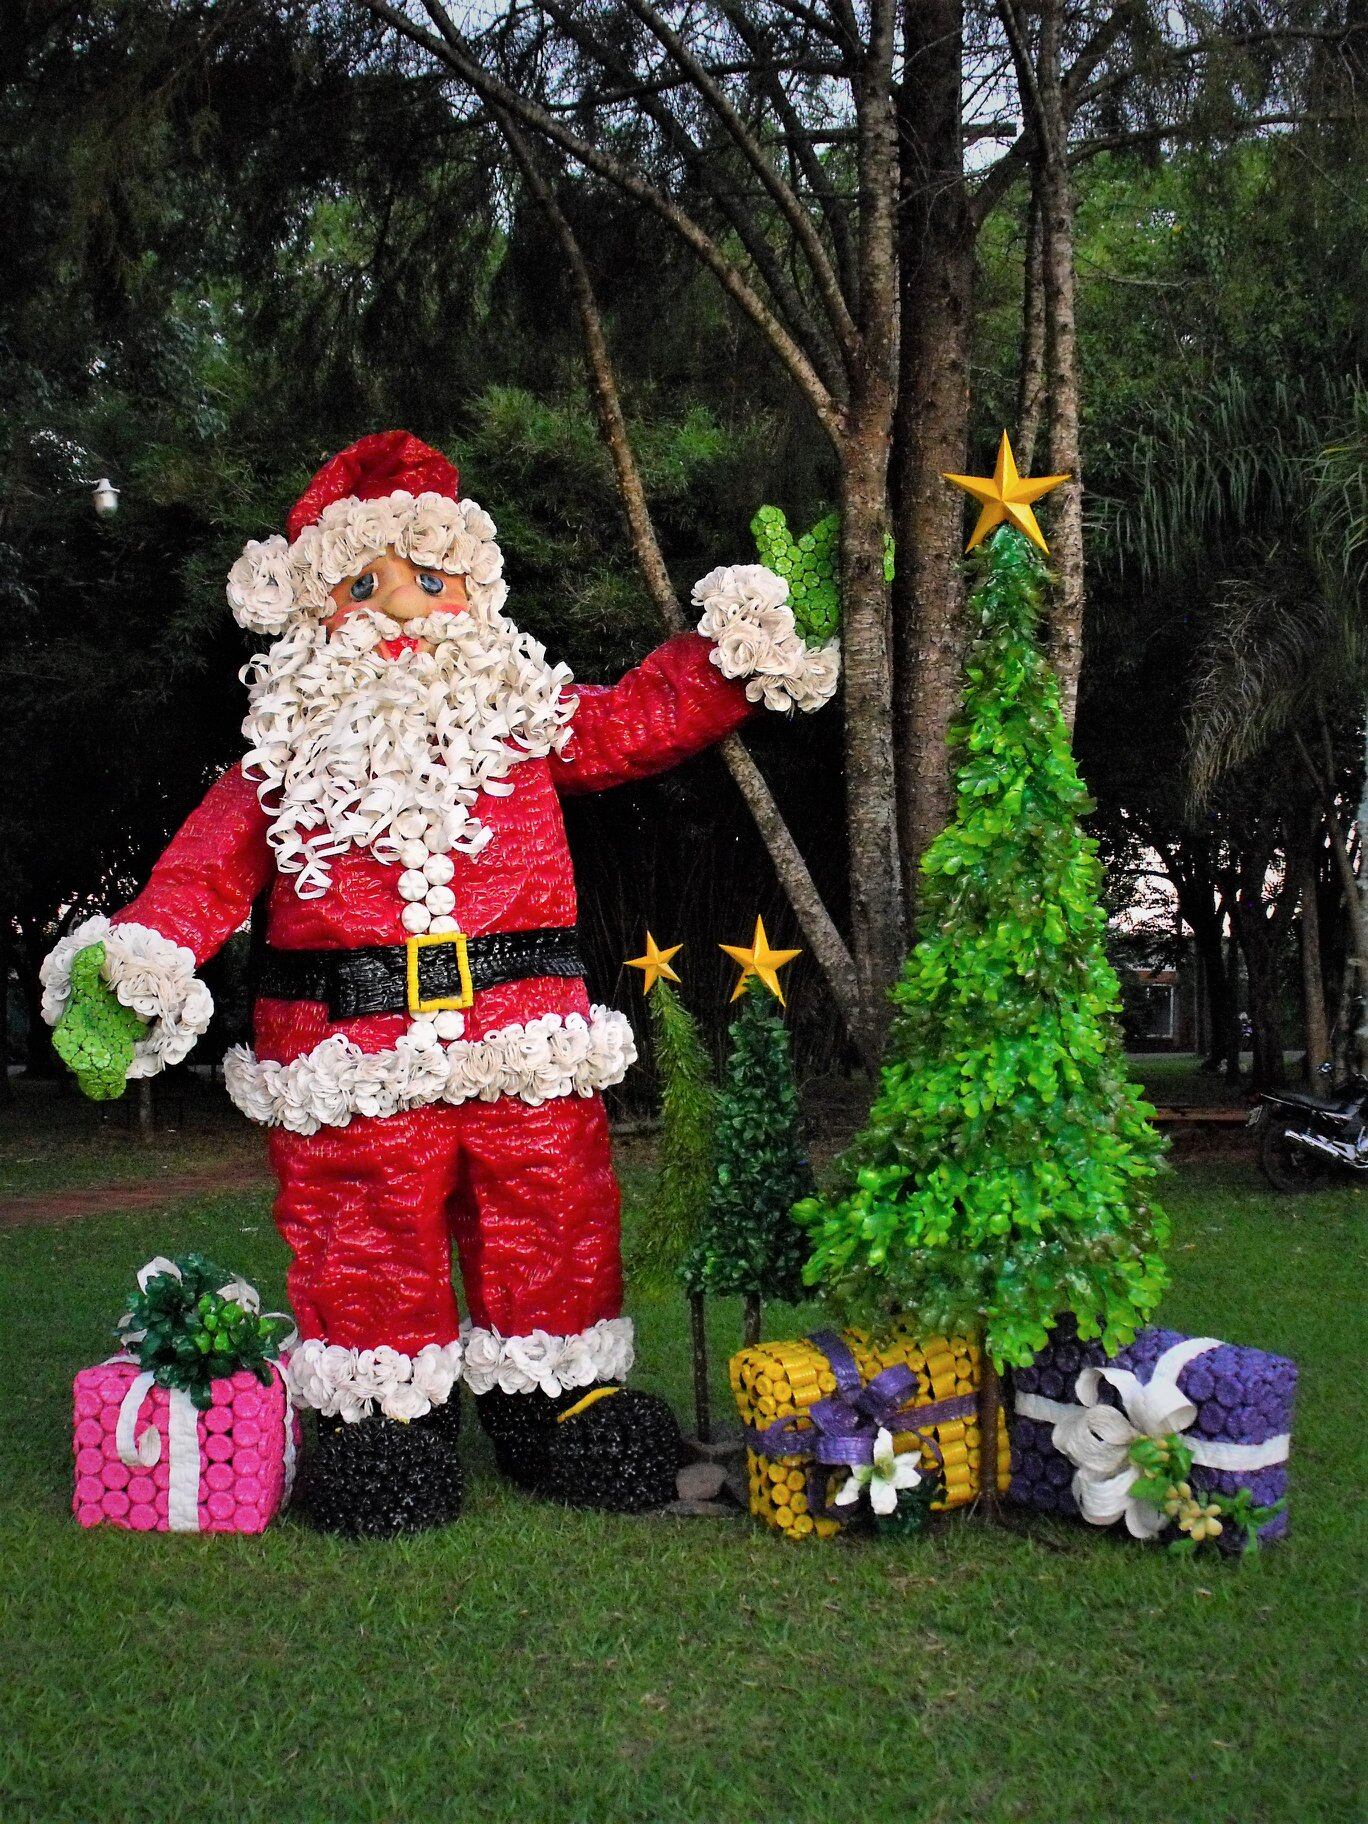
[1006, 497]
[655, 964]
[760, 961]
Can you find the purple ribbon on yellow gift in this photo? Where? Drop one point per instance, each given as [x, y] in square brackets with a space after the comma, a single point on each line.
[839, 1432]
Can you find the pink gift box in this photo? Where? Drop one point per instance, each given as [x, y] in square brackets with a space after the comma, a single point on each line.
[228, 1469]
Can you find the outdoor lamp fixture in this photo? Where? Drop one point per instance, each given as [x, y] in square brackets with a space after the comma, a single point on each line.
[104, 497]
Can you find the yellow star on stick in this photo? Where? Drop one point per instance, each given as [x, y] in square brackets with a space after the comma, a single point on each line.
[655, 964]
[760, 961]
[1006, 497]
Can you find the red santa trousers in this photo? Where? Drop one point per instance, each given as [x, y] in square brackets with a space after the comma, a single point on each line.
[370, 1210]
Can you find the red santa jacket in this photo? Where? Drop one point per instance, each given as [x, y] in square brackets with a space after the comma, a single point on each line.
[673, 705]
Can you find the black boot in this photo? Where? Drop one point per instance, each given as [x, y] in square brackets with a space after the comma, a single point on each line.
[379, 1476]
[608, 1447]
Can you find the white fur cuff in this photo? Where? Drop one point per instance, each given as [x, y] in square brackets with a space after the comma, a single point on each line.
[555, 1055]
[540, 1362]
[352, 1383]
[150, 974]
[746, 614]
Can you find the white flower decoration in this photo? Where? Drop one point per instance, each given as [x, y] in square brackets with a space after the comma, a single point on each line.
[885, 1478]
[746, 615]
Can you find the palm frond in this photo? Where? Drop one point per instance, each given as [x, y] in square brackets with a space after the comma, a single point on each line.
[1209, 466]
[1279, 651]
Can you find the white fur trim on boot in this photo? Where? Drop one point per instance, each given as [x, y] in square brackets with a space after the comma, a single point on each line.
[149, 973]
[540, 1362]
[555, 1055]
[746, 614]
[352, 1383]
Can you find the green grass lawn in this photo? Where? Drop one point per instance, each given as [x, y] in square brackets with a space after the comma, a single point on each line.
[531, 1663]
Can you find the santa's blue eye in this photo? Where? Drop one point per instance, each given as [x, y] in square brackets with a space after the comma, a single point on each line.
[363, 588]
[429, 583]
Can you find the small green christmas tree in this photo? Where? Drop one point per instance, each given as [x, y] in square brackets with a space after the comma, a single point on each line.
[683, 1184]
[750, 1244]
[1004, 1173]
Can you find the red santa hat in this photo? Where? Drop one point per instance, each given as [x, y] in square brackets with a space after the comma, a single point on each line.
[387, 491]
[374, 468]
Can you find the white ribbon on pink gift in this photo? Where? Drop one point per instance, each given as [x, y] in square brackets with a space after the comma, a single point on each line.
[182, 1426]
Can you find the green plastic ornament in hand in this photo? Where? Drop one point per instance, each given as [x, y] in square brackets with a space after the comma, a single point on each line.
[811, 566]
[96, 1035]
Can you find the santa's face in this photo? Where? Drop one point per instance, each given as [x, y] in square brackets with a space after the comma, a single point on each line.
[393, 585]
[380, 726]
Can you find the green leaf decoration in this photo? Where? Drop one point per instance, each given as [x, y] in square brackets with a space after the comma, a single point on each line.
[749, 1242]
[188, 1334]
[811, 566]
[912, 1516]
[683, 1185]
[96, 1035]
[1004, 1173]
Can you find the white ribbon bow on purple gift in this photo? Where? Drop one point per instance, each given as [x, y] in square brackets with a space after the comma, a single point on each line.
[1097, 1438]
[182, 1421]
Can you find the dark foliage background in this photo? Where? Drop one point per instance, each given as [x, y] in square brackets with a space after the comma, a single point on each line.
[237, 236]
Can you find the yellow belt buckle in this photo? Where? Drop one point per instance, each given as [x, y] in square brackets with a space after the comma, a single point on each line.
[444, 1003]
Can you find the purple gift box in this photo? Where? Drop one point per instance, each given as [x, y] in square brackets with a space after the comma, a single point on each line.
[1241, 1428]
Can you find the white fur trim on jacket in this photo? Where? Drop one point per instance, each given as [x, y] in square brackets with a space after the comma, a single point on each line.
[150, 974]
[555, 1055]
[275, 583]
[351, 1383]
[551, 1364]
[746, 614]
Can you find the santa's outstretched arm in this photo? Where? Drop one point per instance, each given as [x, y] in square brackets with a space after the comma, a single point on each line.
[698, 687]
[198, 894]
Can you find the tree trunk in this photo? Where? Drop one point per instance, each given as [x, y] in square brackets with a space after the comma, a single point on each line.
[825, 942]
[1312, 973]
[1234, 1039]
[1061, 363]
[795, 878]
[750, 1320]
[698, 1337]
[1031, 371]
[40, 1059]
[6, 947]
[1215, 990]
[876, 910]
[1256, 940]
[936, 238]
[989, 1408]
[147, 1115]
[1359, 1050]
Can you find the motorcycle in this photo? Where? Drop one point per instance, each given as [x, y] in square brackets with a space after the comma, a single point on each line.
[1302, 1135]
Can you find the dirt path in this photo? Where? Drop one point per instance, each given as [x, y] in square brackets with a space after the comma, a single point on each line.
[133, 1194]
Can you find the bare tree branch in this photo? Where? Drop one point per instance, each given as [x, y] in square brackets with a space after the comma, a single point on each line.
[802, 145]
[795, 877]
[828, 286]
[824, 356]
[451, 49]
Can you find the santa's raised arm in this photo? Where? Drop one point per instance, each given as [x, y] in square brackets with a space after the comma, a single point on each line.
[425, 1054]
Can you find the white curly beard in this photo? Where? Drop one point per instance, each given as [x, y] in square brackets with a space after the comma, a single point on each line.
[350, 748]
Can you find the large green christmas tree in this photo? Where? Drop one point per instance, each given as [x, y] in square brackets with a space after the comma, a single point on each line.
[1004, 1174]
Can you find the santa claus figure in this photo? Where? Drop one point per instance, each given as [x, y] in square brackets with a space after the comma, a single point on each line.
[427, 1061]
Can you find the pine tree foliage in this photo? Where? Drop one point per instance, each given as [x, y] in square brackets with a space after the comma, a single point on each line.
[683, 1184]
[1004, 1173]
[750, 1243]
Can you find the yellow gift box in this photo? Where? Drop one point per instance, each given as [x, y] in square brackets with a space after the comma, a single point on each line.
[774, 1382]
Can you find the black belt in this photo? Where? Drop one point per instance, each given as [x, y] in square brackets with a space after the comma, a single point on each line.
[428, 974]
